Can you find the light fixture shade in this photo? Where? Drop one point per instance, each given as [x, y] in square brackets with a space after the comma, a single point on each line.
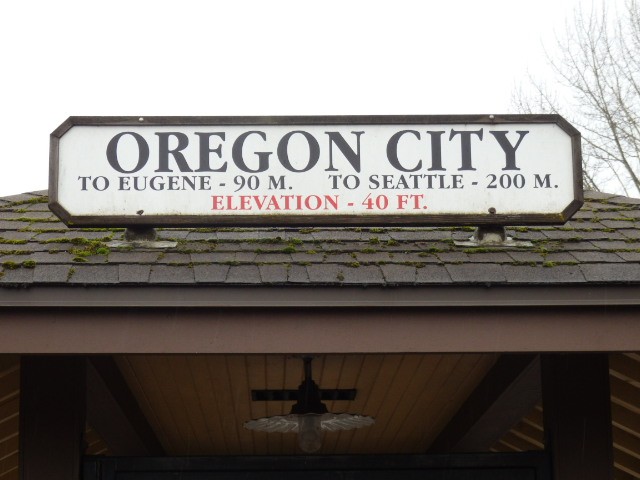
[331, 422]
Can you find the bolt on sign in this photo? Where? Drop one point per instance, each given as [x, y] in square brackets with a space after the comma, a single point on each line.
[380, 170]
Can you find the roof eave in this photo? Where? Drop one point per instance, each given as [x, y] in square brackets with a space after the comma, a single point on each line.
[261, 296]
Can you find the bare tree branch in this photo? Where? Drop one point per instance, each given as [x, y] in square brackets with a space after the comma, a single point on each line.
[599, 64]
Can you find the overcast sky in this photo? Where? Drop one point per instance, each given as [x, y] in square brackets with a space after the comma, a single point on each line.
[257, 57]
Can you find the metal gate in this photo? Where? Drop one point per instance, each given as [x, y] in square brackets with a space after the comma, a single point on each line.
[518, 466]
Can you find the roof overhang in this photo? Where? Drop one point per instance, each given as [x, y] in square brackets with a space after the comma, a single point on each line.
[484, 295]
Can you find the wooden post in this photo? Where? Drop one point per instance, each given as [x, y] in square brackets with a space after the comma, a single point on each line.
[577, 415]
[52, 412]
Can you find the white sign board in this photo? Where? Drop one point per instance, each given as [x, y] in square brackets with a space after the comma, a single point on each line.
[315, 170]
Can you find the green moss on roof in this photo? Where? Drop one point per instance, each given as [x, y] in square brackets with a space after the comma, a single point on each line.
[9, 241]
[29, 201]
[353, 248]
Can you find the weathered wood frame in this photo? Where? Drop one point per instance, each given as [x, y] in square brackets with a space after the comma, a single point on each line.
[316, 220]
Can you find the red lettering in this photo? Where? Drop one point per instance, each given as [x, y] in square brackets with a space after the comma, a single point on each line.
[259, 201]
[230, 205]
[273, 204]
[308, 202]
[280, 202]
[217, 202]
[333, 201]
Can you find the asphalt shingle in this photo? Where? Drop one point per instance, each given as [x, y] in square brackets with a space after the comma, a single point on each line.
[16, 275]
[94, 274]
[51, 273]
[273, 273]
[396, 274]
[329, 273]
[128, 273]
[215, 273]
[172, 274]
[297, 274]
[131, 256]
[239, 274]
[611, 272]
[601, 244]
[543, 274]
[476, 273]
[436, 274]
[363, 275]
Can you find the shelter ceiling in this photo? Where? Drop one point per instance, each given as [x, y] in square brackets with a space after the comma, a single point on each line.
[197, 404]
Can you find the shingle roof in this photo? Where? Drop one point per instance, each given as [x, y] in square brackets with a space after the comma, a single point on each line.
[600, 245]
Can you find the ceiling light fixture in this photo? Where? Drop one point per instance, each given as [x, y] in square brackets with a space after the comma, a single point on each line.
[309, 417]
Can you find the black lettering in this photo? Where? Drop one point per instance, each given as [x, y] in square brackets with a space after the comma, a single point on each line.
[164, 152]
[465, 142]
[436, 150]
[156, 183]
[84, 182]
[100, 183]
[206, 150]
[112, 152]
[191, 181]
[140, 183]
[276, 183]
[539, 181]
[509, 150]
[353, 157]
[205, 183]
[283, 153]
[392, 151]
[238, 159]
[173, 183]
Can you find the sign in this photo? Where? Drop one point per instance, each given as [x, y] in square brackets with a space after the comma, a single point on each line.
[415, 170]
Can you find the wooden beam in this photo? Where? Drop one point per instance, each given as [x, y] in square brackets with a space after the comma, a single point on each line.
[52, 416]
[114, 413]
[508, 392]
[577, 415]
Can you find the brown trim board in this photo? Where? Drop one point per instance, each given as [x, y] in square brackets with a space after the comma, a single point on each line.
[330, 330]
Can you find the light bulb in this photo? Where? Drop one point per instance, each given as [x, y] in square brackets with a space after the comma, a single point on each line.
[310, 432]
